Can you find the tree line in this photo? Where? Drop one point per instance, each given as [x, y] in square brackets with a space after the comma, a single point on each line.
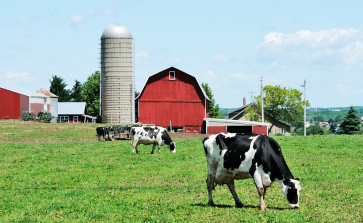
[88, 92]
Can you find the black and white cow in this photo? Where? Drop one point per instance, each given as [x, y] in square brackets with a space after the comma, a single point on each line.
[106, 132]
[234, 156]
[151, 135]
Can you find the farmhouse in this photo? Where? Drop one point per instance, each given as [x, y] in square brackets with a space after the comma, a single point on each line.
[279, 126]
[173, 99]
[15, 100]
[74, 112]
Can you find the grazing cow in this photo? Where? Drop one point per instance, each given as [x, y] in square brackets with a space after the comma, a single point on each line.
[151, 135]
[106, 132]
[234, 156]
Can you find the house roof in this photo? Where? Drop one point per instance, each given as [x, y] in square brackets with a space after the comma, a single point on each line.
[22, 91]
[46, 93]
[244, 107]
[71, 108]
[200, 86]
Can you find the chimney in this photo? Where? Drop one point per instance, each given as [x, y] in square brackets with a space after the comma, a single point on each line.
[244, 101]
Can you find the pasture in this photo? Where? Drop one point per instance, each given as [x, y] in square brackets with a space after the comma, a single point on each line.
[60, 173]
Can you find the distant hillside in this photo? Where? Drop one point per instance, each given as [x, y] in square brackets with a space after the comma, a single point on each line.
[224, 111]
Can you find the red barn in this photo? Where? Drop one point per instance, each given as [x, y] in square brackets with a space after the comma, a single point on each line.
[15, 100]
[173, 97]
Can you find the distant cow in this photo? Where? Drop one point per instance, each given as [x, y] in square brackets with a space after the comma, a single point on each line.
[235, 156]
[151, 135]
[106, 132]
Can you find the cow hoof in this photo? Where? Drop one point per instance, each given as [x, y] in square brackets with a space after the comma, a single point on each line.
[211, 203]
[239, 205]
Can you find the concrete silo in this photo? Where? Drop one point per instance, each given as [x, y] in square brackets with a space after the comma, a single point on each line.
[117, 75]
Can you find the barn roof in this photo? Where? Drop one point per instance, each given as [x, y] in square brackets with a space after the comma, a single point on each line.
[71, 108]
[46, 92]
[200, 86]
[22, 91]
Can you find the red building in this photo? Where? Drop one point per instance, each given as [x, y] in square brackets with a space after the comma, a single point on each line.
[173, 97]
[15, 100]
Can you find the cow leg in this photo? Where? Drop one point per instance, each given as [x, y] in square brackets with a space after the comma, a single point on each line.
[260, 189]
[159, 149]
[231, 188]
[99, 137]
[152, 151]
[210, 186]
[134, 146]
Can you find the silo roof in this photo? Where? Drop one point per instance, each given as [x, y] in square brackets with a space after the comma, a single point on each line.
[22, 91]
[116, 31]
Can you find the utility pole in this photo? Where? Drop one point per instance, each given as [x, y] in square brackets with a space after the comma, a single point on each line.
[251, 95]
[262, 115]
[304, 85]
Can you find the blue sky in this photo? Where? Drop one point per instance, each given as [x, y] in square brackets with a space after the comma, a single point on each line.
[228, 44]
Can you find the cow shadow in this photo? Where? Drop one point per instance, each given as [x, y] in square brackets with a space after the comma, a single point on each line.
[234, 206]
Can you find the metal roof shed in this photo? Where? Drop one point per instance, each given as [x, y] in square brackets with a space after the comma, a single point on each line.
[74, 112]
[214, 126]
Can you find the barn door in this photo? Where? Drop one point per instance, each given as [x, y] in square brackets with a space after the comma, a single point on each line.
[239, 129]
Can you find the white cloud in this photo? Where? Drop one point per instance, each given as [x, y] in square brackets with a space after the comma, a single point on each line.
[275, 65]
[210, 75]
[174, 60]
[142, 58]
[9, 74]
[77, 18]
[334, 47]
[343, 89]
[219, 58]
[143, 54]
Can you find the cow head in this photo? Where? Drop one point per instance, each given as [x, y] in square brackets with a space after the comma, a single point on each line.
[172, 147]
[291, 189]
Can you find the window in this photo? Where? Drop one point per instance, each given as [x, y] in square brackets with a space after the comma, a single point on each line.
[195, 130]
[171, 75]
[64, 118]
[283, 130]
[189, 130]
[75, 119]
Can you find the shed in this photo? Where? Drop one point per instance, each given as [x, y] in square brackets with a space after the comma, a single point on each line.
[174, 98]
[15, 100]
[279, 126]
[215, 126]
[74, 112]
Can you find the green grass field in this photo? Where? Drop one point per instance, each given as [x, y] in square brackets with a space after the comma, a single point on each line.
[52, 179]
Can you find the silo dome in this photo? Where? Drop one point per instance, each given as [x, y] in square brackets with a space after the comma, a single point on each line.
[116, 31]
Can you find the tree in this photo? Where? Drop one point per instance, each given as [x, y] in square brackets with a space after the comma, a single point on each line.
[350, 124]
[280, 104]
[76, 92]
[91, 94]
[57, 87]
[314, 130]
[213, 107]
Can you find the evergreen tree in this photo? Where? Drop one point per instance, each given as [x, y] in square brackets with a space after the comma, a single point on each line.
[350, 124]
[214, 111]
[76, 92]
[57, 87]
